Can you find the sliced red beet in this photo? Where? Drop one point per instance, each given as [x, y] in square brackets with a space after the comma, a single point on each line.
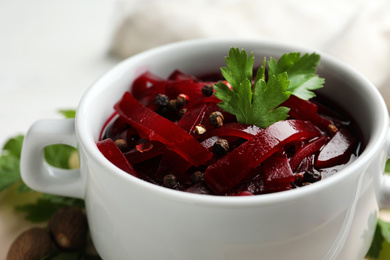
[193, 89]
[135, 155]
[337, 151]
[108, 148]
[192, 118]
[173, 163]
[142, 85]
[234, 129]
[306, 150]
[227, 172]
[277, 169]
[180, 75]
[306, 110]
[155, 127]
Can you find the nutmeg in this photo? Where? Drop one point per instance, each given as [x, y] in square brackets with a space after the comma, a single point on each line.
[34, 243]
[68, 227]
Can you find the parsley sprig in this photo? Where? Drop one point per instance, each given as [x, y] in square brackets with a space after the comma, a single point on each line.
[258, 103]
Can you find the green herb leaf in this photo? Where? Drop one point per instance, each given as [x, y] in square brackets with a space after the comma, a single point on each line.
[68, 113]
[45, 206]
[239, 67]
[10, 161]
[301, 73]
[57, 155]
[14, 146]
[258, 104]
[259, 107]
[9, 171]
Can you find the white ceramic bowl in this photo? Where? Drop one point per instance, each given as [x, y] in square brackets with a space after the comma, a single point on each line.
[133, 219]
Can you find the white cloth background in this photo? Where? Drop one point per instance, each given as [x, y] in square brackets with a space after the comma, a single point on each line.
[51, 51]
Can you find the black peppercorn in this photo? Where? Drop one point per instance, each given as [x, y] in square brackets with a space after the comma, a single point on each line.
[161, 100]
[169, 180]
[221, 147]
[216, 119]
[207, 90]
[197, 176]
[311, 176]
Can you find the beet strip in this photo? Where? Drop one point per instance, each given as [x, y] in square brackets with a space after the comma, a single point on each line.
[155, 127]
[228, 171]
[306, 110]
[234, 129]
[337, 151]
[306, 150]
[109, 149]
[277, 169]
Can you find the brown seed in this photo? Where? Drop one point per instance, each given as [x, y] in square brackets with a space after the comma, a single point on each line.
[221, 147]
[216, 119]
[172, 105]
[121, 144]
[200, 129]
[169, 180]
[69, 227]
[333, 129]
[197, 176]
[182, 112]
[182, 100]
[34, 243]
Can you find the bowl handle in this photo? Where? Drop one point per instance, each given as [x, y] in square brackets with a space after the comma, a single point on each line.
[36, 172]
[384, 202]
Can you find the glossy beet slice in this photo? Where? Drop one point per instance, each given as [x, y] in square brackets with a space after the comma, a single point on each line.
[306, 110]
[108, 148]
[147, 83]
[135, 155]
[234, 129]
[192, 118]
[337, 151]
[227, 172]
[155, 127]
[277, 169]
[306, 150]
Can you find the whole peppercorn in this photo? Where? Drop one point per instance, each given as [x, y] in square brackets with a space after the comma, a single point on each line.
[161, 100]
[169, 180]
[182, 99]
[197, 176]
[221, 147]
[172, 105]
[121, 144]
[34, 243]
[207, 90]
[216, 119]
[182, 112]
[69, 227]
[333, 129]
[311, 176]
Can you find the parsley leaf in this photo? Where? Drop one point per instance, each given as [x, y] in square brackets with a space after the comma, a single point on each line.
[45, 206]
[380, 246]
[259, 103]
[301, 73]
[258, 107]
[10, 161]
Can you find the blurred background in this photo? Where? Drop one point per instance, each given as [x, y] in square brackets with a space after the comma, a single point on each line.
[51, 51]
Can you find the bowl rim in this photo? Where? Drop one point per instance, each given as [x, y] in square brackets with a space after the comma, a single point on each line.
[375, 143]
